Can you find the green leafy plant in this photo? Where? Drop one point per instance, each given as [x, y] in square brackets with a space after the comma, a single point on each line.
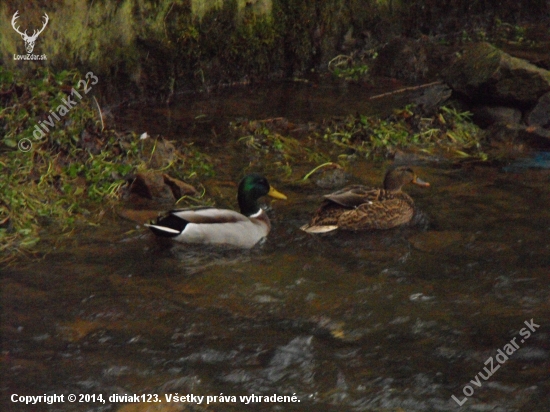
[73, 172]
[375, 137]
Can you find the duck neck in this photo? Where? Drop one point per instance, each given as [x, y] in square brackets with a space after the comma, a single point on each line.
[391, 184]
[248, 204]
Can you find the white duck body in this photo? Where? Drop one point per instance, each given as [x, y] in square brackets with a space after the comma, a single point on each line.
[213, 226]
[217, 226]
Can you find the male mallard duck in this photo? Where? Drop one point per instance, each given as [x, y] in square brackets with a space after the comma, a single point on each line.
[364, 208]
[209, 225]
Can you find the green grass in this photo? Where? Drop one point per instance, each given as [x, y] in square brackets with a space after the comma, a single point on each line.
[74, 172]
[450, 133]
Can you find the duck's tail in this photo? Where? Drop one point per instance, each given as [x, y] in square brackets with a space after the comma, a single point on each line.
[163, 231]
[315, 229]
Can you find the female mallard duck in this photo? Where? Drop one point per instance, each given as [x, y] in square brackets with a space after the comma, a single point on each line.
[209, 225]
[364, 208]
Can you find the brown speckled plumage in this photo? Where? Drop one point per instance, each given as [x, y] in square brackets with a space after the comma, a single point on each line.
[364, 208]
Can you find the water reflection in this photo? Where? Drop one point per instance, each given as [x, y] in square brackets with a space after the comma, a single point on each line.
[538, 160]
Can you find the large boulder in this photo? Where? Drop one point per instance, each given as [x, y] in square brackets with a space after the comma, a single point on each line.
[487, 75]
[540, 115]
[485, 116]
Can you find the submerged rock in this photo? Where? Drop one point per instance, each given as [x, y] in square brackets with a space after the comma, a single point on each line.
[534, 136]
[435, 241]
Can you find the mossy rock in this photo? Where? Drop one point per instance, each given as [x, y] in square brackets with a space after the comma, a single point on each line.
[485, 74]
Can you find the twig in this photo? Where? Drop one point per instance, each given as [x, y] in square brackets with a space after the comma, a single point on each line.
[406, 89]
[272, 119]
[10, 91]
[100, 113]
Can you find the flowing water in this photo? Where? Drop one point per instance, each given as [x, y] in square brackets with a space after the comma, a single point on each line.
[399, 320]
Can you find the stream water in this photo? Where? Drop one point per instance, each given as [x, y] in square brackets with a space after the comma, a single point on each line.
[399, 320]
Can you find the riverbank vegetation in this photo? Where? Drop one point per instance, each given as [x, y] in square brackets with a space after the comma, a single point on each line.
[76, 168]
[81, 168]
[449, 133]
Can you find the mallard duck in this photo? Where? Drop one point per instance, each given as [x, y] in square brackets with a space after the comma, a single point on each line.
[209, 225]
[364, 208]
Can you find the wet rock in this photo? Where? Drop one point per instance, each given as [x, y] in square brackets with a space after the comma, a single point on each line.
[540, 115]
[158, 187]
[329, 327]
[151, 185]
[429, 99]
[434, 241]
[179, 188]
[403, 59]
[538, 55]
[485, 116]
[487, 74]
[534, 136]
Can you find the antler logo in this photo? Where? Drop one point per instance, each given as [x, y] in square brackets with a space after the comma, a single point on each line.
[29, 40]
